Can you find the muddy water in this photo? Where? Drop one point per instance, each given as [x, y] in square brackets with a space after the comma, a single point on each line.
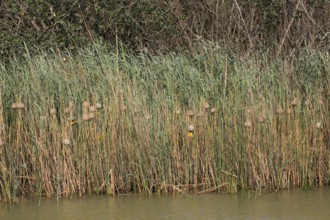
[288, 205]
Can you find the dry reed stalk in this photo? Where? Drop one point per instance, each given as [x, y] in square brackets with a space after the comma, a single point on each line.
[289, 111]
[1, 142]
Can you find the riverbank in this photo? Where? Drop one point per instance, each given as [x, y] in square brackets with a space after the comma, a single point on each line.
[108, 123]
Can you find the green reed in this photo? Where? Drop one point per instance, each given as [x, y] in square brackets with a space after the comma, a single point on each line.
[257, 123]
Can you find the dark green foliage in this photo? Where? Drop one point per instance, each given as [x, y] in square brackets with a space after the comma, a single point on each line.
[152, 25]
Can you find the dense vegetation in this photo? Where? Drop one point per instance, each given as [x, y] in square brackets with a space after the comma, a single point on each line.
[147, 96]
[256, 123]
[281, 27]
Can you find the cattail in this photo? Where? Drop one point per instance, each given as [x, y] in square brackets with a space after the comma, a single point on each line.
[91, 115]
[318, 125]
[191, 128]
[18, 105]
[85, 117]
[98, 106]
[189, 113]
[92, 108]
[213, 110]
[294, 102]
[191, 131]
[66, 142]
[85, 104]
[248, 124]
[1, 142]
[279, 110]
[147, 116]
[206, 105]
[123, 107]
[262, 119]
[52, 111]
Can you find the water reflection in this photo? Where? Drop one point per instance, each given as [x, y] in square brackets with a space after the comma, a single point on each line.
[289, 205]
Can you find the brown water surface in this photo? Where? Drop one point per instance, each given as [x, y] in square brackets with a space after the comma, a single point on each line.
[288, 205]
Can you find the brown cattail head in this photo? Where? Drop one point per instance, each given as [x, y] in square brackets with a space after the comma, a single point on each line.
[85, 117]
[123, 107]
[98, 106]
[213, 110]
[18, 105]
[279, 110]
[86, 104]
[318, 125]
[66, 142]
[92, 108]
[262, 119]
[91, 115]
[147, 116]
[1, 142]
[248, 124]
[189, 113]
[191, 128]
[206, 105]
[52, 111]
[294, 102]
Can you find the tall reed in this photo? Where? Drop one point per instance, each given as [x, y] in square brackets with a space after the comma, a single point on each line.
[101, 123]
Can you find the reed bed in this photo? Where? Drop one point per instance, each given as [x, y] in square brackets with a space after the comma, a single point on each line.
[106, 122]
